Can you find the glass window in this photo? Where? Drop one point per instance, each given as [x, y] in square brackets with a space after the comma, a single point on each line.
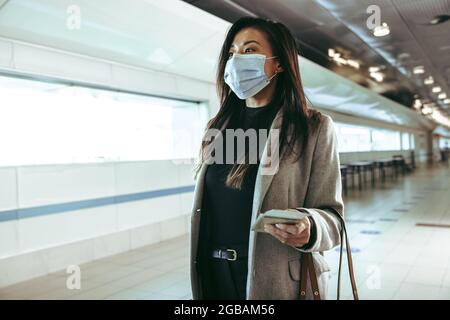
[352, 138]
[405, 141]
[383, 139]
[44, 123]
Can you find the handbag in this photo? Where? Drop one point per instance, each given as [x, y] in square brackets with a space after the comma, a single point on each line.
[307, 267]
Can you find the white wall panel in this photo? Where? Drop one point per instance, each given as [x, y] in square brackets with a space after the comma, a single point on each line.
[132, 177]
[185, 172]
[9, 239]
[8, 189]
[42, 185]
[60, 228]
[192, 89]
[138, 213]
[38, 60]
[140, 80]
[5, 54]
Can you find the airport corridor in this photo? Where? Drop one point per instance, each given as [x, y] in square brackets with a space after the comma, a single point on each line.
[399, 231]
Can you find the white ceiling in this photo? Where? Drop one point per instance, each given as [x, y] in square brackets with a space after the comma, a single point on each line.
[175, 37]
[165, 35]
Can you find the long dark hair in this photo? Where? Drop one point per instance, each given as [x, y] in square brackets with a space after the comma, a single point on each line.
[298, 119]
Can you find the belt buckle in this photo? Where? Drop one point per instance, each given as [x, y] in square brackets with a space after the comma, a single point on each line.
[234, 254]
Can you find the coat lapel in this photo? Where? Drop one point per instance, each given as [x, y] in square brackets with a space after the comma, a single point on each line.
[263, 181]
[262, 185]
[199, 187]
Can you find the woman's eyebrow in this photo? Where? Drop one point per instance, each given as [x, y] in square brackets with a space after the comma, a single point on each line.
[246, 42]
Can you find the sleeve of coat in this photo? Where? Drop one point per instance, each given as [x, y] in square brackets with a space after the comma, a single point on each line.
[324, 194]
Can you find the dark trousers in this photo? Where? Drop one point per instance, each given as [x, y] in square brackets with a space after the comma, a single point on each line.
[224, 279]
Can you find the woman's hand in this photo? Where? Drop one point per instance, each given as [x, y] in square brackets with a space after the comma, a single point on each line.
[296, 235]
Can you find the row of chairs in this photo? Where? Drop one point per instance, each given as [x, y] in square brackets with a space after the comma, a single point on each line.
[445, 152]
[391, 167]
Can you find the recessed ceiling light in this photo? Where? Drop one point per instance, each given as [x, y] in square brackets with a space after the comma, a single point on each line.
[353, 63]
[427, 109]
[439, 117]
[381, 31]
[429, 80]
[442, 95]
[446, 101]
[403, 56]
[417, 104]
[436, 89]
[340, 59]
[378, 76]
[419, 70]
[331, 52]
[439, 19]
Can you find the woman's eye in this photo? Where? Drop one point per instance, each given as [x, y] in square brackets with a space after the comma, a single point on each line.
[248, 50]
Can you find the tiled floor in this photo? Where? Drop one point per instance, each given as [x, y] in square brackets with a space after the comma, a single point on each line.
[393, 258]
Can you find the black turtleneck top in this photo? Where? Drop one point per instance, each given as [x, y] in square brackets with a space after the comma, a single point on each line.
[228, 211]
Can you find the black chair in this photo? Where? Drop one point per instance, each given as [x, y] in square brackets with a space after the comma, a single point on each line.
[344, 169]
[399, 163]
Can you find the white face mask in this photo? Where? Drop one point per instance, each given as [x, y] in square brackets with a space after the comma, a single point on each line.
[245, 75]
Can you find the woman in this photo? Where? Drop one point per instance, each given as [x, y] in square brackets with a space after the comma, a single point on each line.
[259, 86]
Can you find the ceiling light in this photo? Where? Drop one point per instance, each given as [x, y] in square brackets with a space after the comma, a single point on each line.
[417, 104]
[403, 56]
[353, 63]
[427, 110]
[419, 70]
[429, 80]
[446, 101]
[439, 19]
[378, 76]
[331, 52]
[381, 31]
[436, 89]
[340, 60]
[442, 95]
[439, 117]
[160, 56]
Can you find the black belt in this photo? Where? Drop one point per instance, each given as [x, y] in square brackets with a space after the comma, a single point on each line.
[231, 253]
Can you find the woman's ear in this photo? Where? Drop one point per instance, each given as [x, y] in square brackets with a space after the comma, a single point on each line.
[279, 68]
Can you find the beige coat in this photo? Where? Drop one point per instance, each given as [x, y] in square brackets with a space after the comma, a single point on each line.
[312, 183]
